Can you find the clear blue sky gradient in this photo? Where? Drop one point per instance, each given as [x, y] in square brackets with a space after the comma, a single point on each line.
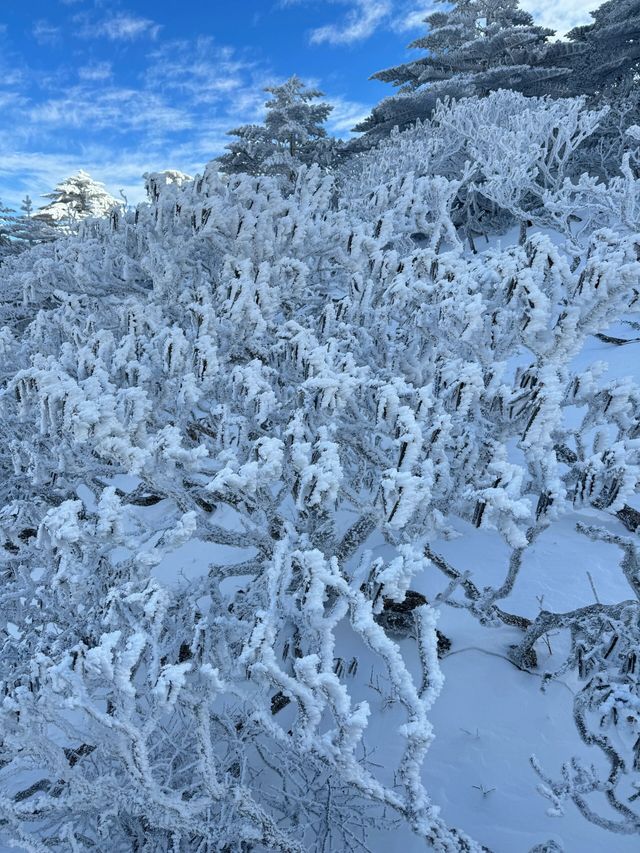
[119, 87]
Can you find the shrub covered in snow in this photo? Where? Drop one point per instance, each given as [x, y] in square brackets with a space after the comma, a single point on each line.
[276, 375]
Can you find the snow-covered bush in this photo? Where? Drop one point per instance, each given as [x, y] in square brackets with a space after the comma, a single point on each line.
[278, 375]
[505, 157]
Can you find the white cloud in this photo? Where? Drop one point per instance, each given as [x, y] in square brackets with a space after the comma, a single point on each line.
[560, 15]
[96, 71]
[365, 17]
[45, 33]
[412, 17]
[121, 27]
[10, 100]
[201, 71]
[345, 115]
[358, 24]
[361, 21]
[117, 108]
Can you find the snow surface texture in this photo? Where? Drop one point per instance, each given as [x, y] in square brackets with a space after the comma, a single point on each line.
[245, 422]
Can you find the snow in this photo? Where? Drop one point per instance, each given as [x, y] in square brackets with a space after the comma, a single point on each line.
[508, 717]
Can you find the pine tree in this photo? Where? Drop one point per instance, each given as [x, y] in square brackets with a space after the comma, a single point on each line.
[610, 60]
[476, 47]
[292, 134]
[18, 233]
[605, 67]
[78, 197]
[7, 218]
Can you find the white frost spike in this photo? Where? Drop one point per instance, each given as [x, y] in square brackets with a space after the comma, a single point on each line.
[99, 660]
[397, 575]
[63, 524]
[404, 493]
[109, 514]
[320, 478]
[171, 682]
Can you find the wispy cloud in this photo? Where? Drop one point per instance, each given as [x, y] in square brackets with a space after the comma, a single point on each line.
[120, 27]
[363, 18]
[412, 17]
[45, 33]
[345, 115]
[10, 100]
[201, 70]
[118, 108]
[358, 24]
[95, 71]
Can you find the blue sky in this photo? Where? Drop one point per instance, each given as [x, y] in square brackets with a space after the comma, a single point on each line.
[120, 87]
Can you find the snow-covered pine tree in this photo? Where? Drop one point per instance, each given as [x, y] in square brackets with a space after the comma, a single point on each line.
[605, 68]
[292, 134]
[610, 59]
[76, 198]
[472, 47]
[7, 219]
[28, 230]
[20, 232]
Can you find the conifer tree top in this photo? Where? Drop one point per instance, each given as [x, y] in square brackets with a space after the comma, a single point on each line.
[611, 49]
[292, 133]
[76, 197]
[472, 48]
